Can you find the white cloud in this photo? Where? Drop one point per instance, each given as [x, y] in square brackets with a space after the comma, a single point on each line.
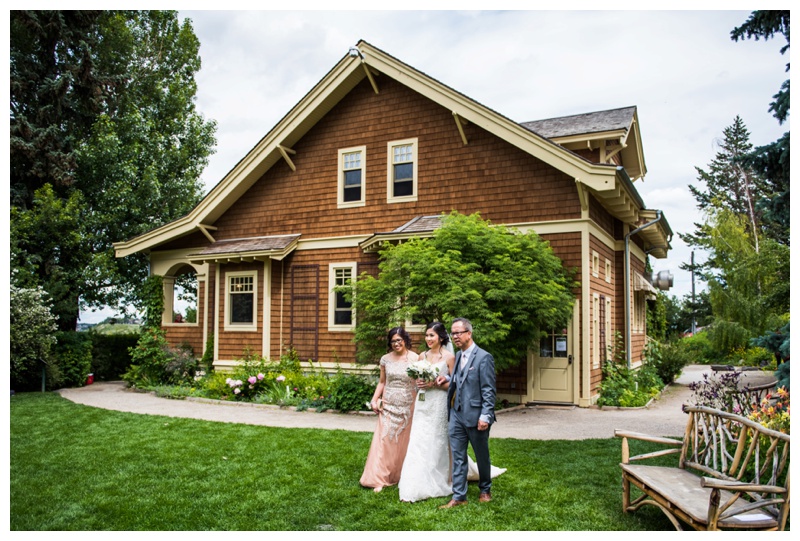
[680, 68]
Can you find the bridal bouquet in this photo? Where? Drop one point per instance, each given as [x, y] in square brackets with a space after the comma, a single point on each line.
[422, 370]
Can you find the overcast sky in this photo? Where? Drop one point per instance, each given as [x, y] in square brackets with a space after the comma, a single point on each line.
[682, 71]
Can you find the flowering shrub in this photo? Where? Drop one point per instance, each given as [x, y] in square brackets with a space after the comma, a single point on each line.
[719, 392]
[773, 413]
[247, 389]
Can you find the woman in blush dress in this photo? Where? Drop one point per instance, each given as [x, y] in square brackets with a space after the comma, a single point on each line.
[393, 402]
[426, 470]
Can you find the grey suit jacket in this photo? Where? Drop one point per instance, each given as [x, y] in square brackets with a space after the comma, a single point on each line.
[474, 389]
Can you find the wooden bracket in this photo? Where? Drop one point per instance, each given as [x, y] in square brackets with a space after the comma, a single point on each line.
[285, 153]
[370, 77]
[460, 123]
[204, 230]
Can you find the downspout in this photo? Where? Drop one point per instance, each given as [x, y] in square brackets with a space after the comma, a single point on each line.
[628, 285]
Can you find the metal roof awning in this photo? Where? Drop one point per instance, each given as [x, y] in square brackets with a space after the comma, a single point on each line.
[249, 249]
[421, 226]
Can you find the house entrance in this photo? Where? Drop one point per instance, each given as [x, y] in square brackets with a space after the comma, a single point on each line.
[553, 366]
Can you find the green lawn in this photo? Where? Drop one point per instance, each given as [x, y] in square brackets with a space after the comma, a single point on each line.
[75, 467]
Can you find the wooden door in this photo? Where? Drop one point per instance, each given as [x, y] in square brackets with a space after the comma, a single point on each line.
[553, 368]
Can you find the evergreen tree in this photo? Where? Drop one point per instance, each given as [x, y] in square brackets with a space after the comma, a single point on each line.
[772, 161]
[728, 184]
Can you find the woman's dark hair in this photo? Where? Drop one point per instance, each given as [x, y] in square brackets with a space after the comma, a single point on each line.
[439, 329]
[403, 334]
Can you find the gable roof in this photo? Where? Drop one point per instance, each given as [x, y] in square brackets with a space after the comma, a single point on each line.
[597, 130]
[609, 183]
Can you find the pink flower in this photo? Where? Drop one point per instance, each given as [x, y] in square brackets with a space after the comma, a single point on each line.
[280, 378]
[260, 376]
[251, 380]
[237, 391]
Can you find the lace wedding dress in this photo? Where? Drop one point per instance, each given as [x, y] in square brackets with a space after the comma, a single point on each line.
[427, 468]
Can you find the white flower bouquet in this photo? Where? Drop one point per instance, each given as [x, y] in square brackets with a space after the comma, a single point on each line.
[422, 370]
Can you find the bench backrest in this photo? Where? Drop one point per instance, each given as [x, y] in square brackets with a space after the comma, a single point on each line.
[731, 447]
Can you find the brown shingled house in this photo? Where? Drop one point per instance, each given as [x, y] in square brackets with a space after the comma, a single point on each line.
[378, 151]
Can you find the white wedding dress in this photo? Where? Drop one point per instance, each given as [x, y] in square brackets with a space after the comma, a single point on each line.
[427, 468]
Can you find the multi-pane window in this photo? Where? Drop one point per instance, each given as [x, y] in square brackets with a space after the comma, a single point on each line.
[554, 345]
[352, 172]
[402, 173]
[340, 310]
[241, 299]
[343, 311]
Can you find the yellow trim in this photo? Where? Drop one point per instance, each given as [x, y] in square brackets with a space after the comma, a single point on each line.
[285, 153]
[460, 123]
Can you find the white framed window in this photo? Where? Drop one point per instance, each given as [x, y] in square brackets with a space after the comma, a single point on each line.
[401, 180]
[596, 330]
[608, 271]
[638, 312]
[609, 331]
[352, 177]
[595, 264]
[242, 300]
[340, 311]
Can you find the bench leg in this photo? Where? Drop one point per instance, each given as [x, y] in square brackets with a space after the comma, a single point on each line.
[626, 494]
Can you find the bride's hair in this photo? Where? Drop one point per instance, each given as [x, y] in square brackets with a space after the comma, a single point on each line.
[439, 329]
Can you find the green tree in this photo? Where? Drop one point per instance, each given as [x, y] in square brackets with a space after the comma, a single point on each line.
[509, 284]
[772, 161]
[103, 124]
[728, 184]
[742, 280]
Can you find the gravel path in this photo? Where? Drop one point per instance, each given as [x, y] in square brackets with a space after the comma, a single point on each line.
[662, 417]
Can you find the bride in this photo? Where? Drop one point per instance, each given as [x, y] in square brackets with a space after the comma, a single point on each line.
[426, 469]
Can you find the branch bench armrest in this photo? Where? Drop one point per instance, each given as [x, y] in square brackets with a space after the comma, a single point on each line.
[647, 437]
[737, 486]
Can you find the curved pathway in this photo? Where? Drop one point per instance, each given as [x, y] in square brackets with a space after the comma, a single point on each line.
[662, 417]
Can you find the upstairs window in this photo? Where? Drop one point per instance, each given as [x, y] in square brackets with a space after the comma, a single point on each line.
[402, 171]
[352, 175]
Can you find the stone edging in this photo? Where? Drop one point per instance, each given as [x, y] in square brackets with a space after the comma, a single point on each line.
[287, 408]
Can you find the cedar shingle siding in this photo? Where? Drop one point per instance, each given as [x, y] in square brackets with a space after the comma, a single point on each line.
[288, 227]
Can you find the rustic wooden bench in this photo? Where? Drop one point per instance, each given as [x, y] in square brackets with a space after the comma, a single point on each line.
[732, 474]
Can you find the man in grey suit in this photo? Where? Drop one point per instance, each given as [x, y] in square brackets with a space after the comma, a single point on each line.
[470, 399]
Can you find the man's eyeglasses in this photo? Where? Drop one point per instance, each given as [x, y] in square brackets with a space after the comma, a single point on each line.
[458, 333]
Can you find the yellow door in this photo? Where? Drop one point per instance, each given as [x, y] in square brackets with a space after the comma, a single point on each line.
[553, 366]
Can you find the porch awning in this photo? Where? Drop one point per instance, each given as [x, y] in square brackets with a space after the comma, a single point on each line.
[421, 226]
[248, 249]
[640, 283]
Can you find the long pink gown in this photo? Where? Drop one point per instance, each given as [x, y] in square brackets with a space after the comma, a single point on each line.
[390, 441]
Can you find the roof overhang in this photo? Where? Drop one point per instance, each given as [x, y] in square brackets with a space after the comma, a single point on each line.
[419, 227]
[628, 140]
[249, 249]
[658, 237]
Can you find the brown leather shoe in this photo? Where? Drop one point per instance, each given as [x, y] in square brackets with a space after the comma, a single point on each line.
[453, 503]
[485, 497]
